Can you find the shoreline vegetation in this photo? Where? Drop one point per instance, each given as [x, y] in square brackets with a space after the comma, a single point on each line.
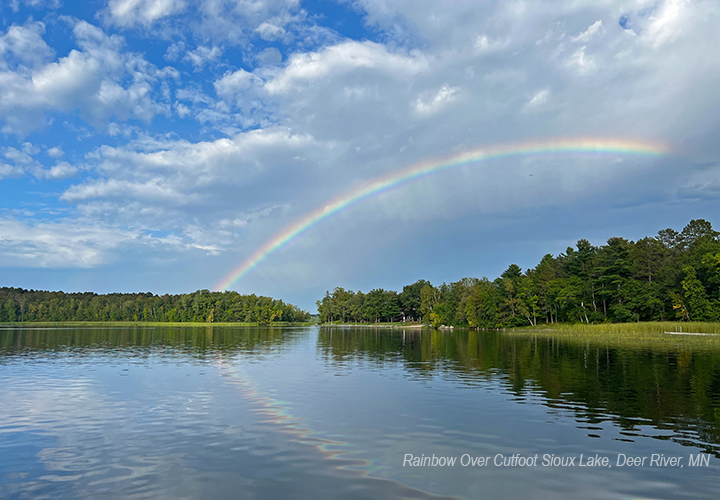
[643, 335]
[641, 328]
[188, 324]
[18, 305]
[673, 276]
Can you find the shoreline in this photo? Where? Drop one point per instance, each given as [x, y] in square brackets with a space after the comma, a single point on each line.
[30, 324]
[372, 325]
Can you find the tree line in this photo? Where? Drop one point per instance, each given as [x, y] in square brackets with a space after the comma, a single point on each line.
[671, 276]
[19, 305]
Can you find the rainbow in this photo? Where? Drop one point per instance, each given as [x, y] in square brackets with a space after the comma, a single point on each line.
[429, 167]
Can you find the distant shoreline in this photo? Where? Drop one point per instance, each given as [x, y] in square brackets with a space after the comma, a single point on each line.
[373, 325]
[147, 323]
[639, 329]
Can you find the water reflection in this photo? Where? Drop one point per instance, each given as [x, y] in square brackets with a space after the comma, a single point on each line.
[672, 390]
[142, 340]
[217, 412]
[138, 412]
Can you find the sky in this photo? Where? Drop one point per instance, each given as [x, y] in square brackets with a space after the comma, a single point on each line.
[153, 145]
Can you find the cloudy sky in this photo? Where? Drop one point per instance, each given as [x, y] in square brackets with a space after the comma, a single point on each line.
[152, 145]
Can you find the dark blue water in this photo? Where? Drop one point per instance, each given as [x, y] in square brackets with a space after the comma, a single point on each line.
[335, 413]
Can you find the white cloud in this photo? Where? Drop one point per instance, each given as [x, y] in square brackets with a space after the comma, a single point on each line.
[182, 110]
[24, 45]
[174, 51]
[540, 98]
[203, 55]
[232, 83]
[100, 80]
[61, 170]
[29, 148]
[24, 162]
[153, 189]
[581, 63]
[181, 175]
[10, 171]
[595, 30]
[144, 12]
[485, 44]
[667, 23]
[344, 57]
[18, 156]
[244, 219]
[269, 57]
[55, 152]
[269, 31]
[36, 4]
[428, 104]
[234, 21]
[60, 244]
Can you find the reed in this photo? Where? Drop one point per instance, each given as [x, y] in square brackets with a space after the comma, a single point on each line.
[644, 328]
[633, 335]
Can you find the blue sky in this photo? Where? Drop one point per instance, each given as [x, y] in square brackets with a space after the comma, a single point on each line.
[151, 145]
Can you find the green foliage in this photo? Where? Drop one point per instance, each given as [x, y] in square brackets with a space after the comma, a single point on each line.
[203, 306]
[675, 275]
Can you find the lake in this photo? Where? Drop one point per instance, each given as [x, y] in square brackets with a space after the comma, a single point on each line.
[353, 413]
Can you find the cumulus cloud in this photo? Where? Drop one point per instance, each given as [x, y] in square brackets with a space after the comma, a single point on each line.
[203, 55]
[174, 51]
[269, 31]
[234, 20]
[24, 162]
[235, 82]
[9, 171]
[36, 4]
[17, 156]
[55, 152]
[144, 12]
[176, 183]
[24, 46]
[100, 80]
[60, 244]
[30, 148]
[153, 189]
[341, 58]
[61, 170]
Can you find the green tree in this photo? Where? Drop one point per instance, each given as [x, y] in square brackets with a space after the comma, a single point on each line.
[698, 306]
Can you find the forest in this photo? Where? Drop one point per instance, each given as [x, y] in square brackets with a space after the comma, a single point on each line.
[668, 277]
[18, 305]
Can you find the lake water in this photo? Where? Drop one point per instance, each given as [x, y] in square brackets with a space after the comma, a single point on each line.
[275, 413]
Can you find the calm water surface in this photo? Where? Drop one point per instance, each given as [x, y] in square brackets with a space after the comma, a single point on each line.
[256, 413]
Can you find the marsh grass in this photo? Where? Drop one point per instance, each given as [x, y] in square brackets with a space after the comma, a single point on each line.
[644, 328]
[382, 324]
[633, 335]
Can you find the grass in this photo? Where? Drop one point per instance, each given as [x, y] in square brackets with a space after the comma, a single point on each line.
[647, 335]
[644, 328]
[392, 324]
[635, 335]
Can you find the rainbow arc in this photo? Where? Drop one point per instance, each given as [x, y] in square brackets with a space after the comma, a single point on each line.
[589, 146]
